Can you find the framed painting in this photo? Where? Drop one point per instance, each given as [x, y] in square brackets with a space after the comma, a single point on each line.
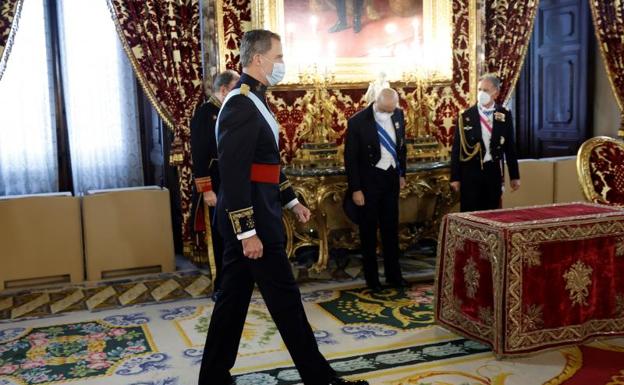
[352, 42]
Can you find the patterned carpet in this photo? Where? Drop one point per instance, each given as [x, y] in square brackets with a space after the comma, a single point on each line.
[386, 337]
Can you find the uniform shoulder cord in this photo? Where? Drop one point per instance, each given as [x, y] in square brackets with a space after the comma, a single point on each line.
[467, 151]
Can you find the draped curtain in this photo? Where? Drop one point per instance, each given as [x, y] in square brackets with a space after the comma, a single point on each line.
[608, 16]
[28, 155]
[9, 16]
[508, 29]
[162, 40]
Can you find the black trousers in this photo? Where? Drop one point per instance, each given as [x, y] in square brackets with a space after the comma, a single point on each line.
[481, 189]
[277, 285]
[381, 210]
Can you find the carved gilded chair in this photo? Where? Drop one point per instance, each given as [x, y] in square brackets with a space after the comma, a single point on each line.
[600, 167]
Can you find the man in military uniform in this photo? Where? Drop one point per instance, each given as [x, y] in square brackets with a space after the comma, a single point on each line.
[375, 162]
[484, 141]
[249, 216]
[205, 166]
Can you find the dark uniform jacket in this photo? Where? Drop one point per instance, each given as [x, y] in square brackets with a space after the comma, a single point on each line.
[362, 148]
[467, 153]
[245, 138]
[204, 154]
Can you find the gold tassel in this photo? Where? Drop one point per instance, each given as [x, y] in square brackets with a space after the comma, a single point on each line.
[176, 155]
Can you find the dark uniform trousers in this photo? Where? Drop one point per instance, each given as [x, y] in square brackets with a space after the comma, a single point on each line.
[381, 198]
[484, 191]
[277, 285]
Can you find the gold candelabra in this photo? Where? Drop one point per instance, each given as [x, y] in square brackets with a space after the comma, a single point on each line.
[419, 119]
[318, 138]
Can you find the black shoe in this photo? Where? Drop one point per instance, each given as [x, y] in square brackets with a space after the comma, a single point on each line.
[374, 286]
[342, 381]
[339, 26]
[400, 283]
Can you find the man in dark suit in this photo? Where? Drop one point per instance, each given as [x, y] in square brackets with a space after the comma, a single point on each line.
[249, 216]
[484, 140]
[206, 167]
[375, 161]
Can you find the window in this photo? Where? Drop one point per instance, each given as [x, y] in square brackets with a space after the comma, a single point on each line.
[96, 88]
[27, 134]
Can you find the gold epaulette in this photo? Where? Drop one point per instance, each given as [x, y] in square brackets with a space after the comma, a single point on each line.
[244, 89]
[242, 220]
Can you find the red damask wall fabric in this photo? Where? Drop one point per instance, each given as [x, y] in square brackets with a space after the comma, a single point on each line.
[162, 40]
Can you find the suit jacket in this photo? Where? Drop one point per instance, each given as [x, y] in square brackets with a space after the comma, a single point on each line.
[204, 154]
[245, 137]
[204, 142]
[502, 146]
[362, 149]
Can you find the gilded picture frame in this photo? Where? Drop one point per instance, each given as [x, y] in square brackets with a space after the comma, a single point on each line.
[270, 14]
[432, 30]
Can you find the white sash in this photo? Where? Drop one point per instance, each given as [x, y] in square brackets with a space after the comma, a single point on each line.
[268, 116]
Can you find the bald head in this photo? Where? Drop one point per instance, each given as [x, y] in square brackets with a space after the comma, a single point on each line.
[387, 100]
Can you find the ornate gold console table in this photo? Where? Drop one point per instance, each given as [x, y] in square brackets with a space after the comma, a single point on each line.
[424, 202]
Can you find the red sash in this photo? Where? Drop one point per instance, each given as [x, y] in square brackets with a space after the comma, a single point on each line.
[485, 123]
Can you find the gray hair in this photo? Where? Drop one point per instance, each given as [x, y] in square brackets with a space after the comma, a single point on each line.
[224, 79]
[256, 41]
[492, 78]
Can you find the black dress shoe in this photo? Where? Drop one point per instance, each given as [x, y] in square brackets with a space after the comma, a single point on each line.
[341, 381]
[374, 286]
[401, 283]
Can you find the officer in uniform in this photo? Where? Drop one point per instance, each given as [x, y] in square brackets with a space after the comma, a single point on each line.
[375, 162]
[252, 194]
[206, 168]
[484, 141]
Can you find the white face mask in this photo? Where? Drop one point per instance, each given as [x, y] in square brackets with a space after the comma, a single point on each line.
[277, 74]
[484, 98]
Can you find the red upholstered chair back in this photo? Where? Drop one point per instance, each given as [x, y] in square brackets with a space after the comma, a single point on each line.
[600, 167]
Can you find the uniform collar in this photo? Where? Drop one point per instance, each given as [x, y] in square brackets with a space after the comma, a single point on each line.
[254, 84]
[214, 101]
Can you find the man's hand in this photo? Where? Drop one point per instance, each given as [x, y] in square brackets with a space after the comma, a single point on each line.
[455, 186]
[515, 184]
[210, 198]
[301, 212]
[358, 198]
[402, 183]
[252, 247]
